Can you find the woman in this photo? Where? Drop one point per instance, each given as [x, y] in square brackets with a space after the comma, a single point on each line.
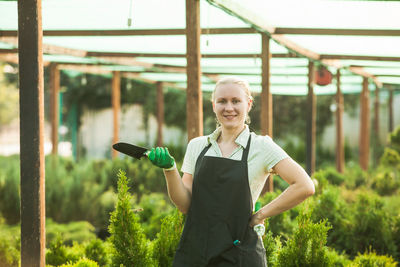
[223, 175]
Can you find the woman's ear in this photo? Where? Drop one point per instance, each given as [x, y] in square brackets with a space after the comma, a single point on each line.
[213, 105]
[250, 105]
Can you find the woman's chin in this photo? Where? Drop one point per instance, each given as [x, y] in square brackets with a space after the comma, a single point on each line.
[232, 125]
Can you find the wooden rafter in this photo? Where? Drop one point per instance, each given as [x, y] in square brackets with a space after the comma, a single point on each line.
[354, 57]
[277, 30]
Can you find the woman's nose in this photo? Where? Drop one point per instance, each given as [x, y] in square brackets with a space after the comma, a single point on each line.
[229, 106]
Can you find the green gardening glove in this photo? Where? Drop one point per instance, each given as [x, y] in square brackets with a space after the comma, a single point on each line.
[160, 157]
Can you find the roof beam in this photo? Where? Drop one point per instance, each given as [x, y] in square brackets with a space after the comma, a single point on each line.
[325, 58]
[352, 32]
[140, 32]
[353, 57]
[278, 30]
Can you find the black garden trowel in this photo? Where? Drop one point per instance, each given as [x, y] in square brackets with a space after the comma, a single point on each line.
[136, 152]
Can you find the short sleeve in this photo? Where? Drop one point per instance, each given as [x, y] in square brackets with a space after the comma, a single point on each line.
[189, 161]
[274, 153]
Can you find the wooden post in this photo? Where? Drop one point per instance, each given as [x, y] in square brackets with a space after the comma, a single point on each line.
[194, 103]
[54, 103]
[31, 108]
[266, 96]
[339, 126]
[160, 113]
[116, 104]
[311, 120]
[266, 99]
[376, 124]
[364, 125]
[390, 104]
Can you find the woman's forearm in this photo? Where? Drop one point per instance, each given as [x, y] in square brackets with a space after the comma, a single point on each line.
[291, 197]
[177, 191]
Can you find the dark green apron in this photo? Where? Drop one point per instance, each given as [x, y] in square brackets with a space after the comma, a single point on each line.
[217, 231]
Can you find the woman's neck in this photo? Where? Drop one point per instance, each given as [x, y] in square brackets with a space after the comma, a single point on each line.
[230, 135]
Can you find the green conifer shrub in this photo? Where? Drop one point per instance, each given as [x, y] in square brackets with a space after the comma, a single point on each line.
[9, 254]
[9, 189]
[130, 246]
[394, 139]
[58, 253]
[83, 262]
[371, 226]
[166, 243]
[390, 158]
[386, 181]
[271, 244]
[282, 224]
[307, 245]
[371, 259]
[355, 176]
[336, 259]
[331, 206]
[155, 207]
[96, 250]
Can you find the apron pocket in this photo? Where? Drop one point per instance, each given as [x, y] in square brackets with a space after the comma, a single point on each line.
[220, 243]
[252, 251]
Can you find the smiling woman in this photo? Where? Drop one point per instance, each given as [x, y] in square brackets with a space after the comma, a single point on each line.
[223, 175]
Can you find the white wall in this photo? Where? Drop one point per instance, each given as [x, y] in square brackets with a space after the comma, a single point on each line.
[351, 125]
[96, 130]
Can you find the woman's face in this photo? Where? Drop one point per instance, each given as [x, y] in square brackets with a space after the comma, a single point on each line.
[231, 105]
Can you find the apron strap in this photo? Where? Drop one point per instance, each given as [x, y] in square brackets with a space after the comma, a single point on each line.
[246, 150]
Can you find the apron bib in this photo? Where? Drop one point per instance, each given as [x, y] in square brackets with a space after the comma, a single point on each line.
[217, 231]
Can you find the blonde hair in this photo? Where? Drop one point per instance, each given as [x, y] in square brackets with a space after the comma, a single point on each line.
[234, 80]
[242, 83]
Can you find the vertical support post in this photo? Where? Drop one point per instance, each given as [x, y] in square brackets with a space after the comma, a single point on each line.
[116, 104]
[376, 124]
[311, 120]
[364, 125]
[160, 113]
[31, 107]
[339, 126]
[266, 98]
[54, 93]
[194, 103]
[390, 104]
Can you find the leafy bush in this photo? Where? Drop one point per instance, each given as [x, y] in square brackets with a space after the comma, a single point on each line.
[9, 189]
[371, 226]
[155, 207]
[370, 259]
[58, 253]
[69, 233]
[394, 139]
[331, 206]
[386, 182]
[390, 158]
[96, 250]
[337, 260]
[166, 243]
[130, 246]
[355, 176]
[307, 245]
[9, 255]
[271, 244]
[282, 224]
[82, 263]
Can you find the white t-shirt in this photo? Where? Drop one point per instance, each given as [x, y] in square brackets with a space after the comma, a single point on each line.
[264, 154]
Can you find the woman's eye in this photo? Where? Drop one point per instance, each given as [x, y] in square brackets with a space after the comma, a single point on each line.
[235, 101]
[221, 101]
